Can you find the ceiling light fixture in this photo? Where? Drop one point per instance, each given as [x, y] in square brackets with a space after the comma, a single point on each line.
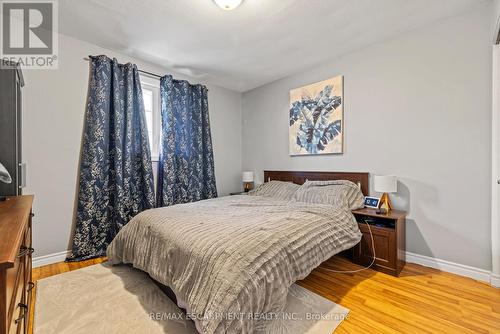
[228, 4]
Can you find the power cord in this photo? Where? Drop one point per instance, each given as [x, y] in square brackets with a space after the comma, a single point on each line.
[358, 270]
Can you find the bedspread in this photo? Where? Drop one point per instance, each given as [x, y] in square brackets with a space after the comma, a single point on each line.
[232, 259]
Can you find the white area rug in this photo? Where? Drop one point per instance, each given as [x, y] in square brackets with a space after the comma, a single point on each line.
[120, 299]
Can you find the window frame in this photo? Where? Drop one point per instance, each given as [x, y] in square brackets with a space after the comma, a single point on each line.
[153, 85]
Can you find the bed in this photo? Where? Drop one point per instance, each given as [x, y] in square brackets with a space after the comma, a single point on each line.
[230, 260]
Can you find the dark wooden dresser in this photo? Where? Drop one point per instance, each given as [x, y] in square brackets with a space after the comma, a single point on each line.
[15, 264]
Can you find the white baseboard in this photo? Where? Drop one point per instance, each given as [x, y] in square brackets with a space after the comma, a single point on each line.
[49, 259]
[495, 280]
[454, 268]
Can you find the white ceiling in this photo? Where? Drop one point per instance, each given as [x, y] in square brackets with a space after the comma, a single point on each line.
[259, 42]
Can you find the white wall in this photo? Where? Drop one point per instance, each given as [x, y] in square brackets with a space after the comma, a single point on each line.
[424, 101]
[54, 105]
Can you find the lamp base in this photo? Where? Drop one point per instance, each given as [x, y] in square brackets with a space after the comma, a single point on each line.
[385, 204]
[247, 186]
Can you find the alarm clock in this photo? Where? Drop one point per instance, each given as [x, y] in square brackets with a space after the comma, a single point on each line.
[372, 202]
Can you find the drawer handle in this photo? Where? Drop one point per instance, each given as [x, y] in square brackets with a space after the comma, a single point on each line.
[25, 250]
[31, 285]
[32, 215]
[24, 307]
[21, 317]
[22, 252]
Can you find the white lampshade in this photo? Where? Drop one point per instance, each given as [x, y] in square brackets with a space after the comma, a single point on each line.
[247, 176]
[228, 4]
[385, 183]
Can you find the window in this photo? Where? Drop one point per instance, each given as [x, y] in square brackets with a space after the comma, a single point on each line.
[151, 96]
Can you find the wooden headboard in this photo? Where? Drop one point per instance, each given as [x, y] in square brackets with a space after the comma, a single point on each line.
[301, 177]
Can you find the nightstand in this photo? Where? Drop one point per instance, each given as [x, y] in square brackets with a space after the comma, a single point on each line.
[389, 236]
[239, 193]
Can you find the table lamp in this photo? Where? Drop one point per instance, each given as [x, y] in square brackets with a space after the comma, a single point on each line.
[5, 178]
[385, 184]
[247, 178]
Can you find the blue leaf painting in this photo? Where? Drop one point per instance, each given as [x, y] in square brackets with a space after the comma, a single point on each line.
[314, 122]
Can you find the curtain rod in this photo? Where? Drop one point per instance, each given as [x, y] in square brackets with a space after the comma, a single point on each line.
[143, 72]
[151, 74]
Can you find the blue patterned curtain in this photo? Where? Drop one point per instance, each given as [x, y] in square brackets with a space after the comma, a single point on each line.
[116, 177]
[186, 169]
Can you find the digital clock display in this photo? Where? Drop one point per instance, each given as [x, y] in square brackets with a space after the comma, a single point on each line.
[372, 202]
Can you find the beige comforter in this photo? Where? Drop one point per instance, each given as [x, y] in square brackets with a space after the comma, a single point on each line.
[232, 259]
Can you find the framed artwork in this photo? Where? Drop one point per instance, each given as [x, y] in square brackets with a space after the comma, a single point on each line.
[317, 118]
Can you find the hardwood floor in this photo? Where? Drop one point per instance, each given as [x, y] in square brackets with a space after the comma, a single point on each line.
[421, 300]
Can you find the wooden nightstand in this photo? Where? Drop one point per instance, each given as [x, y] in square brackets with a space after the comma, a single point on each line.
[389, 236]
